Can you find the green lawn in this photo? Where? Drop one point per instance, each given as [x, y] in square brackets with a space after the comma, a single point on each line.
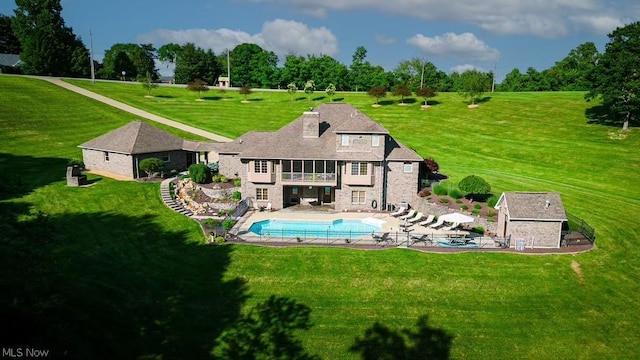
[113, 255]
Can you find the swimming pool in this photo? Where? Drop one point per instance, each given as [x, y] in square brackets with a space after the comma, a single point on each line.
[339, 228]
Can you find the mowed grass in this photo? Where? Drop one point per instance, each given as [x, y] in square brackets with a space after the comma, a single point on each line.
[496, 305]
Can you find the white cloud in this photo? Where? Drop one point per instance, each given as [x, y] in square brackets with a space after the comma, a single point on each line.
[543, 18]
[385, 40]
[465, 46]
[462, 68]
[600, 24]
[280, 36]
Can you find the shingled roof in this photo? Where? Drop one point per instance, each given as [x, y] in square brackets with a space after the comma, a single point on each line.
[288, 142]
[137, 137]
[533, 206]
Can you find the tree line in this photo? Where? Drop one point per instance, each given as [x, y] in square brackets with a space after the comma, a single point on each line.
[47, 46]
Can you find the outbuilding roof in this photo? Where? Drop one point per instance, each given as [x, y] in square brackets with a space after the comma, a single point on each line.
[137, 137]
[533, 206]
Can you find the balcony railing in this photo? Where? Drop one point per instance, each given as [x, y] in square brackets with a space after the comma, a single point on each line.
[310, 178]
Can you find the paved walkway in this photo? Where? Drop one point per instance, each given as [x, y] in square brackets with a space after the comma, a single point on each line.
[133, 110]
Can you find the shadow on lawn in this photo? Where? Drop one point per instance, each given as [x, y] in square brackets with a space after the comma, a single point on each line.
[380, 342]
[110, 286]
[20, 175]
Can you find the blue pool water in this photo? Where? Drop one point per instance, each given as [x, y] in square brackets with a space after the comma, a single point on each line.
[305, 228]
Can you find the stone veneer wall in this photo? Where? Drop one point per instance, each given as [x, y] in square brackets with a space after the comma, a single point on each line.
[374, 192]
[401, 186]
[542, 234]
[119, 164]
[230, 164]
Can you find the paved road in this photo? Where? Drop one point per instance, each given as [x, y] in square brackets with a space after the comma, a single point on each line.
[135, 111]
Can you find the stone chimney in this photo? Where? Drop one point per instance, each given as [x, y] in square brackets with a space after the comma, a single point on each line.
[311, 124]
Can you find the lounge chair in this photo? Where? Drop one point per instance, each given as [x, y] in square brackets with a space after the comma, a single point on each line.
[409, 215]
[268, 206]
[451, 227]
[419, 216]
[380, 238]
[427, 221]
[438, 223]
[400, 211]
[421, 238]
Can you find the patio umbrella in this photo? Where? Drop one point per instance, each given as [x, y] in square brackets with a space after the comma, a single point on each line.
[456, 218]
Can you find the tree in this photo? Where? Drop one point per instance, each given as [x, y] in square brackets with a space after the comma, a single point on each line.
[199, 173]
[402, 91]
[151, 165]
[308, 89]
[616, 76]
[292, 89]
[135, 60]
[425, 93]
[245, 91]
[330, 91]
[253, 66]
[377, 92]
[474, 84]
[193, 63]
[572, 71]
[431, 165]
[168, 53]
[9, 43]
[266, 332]
[198, 85]
[47, 44]
[148, 84]
[474, 186]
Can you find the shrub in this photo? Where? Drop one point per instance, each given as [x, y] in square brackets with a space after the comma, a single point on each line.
[224, 179]
[227, 224]
[424, 193]
[199, 173]
[440, 190]
[478, 230]
[219, 240]
[432, 165]
[444, 201]
[237, 196]
[475, 211]
[491, 213]
[221, 213]
[151, 165]
[474, 186]
[210, 223]
[464, 207]
[237, 182]
[213, 166]
[477, 206]
[455, 193]
[492, 201]
[216, 178]
[458, 201]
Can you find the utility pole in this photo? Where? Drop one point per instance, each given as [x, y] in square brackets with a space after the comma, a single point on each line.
[422, 76]
[93, 70]
[229, 67]
[495, 70]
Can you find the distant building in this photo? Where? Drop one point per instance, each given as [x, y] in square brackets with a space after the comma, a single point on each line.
[536, 218]
[223, 82]
[10, 63]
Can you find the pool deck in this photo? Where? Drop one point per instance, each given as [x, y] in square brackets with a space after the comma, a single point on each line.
[389, 224]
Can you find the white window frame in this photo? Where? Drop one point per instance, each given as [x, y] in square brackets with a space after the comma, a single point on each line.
[407, 168]
[359, 168]
[260, 167]
[345, 140]
[358, 197]
[262, 194]
[166, 157]
[375, 140]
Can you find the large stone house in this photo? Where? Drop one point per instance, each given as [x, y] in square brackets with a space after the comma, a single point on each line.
[534, 218]
[121, 150]
[333, 154]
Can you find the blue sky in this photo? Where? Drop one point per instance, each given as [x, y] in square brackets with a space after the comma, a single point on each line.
[452, 34]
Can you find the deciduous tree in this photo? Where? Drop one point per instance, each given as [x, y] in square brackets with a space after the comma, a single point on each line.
[198, 85]
[474, 84]
[474, 186]
[403, 91]
[616, 76]
[151, 165]
[9, 43]
[377, 92]
[425, 93]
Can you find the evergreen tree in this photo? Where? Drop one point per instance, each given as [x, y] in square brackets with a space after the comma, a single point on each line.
[48, 45]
